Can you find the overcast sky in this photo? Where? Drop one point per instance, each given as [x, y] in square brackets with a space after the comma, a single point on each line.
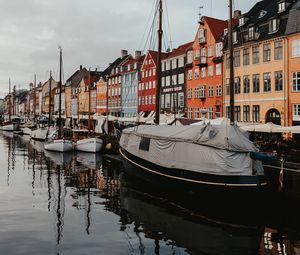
[91, 32]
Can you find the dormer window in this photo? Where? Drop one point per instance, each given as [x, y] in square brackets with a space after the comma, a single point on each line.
[241, 21]
[262, 14]
[282, 7]
[202, 35]
[234, 37]
[251, 33]
[273, 25]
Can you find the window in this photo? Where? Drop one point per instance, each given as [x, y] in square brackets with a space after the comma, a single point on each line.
[262, 14]
[267, 52]
[190, 74]
[181, 78]
[202, 35]
[167, 100]
[211, 70]
[202, 92]
[237, 58]
[227, 61]
[246, 113]
[168, 65]
[296, 111]
[281, 7]
[241, 21]
[197, 113]
[296, 48]
[296, 81]
[203, 55]
[189, 56]
[196, 73]
[278, 81]
[190, 113]
[255, 54]
[267, 82]
[246, 57]
[237, 113]
[219, 90]
[210, 91]
[227, 87]
[219, 48]
[210, 51]
[181, 62]
[246, 84]
[234, 37]
[256, 113]
[256, 83]
[210, 113]
[218, 69]
[278, 50]
[196, 54]
[190, 93]
[203, 72]
[251, 33]
[174, 63]
[174, 79]
[168, 81]
[237, 85]
[273, 25]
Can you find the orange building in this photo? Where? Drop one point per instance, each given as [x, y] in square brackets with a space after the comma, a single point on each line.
[293, 37]
[101, 96]
[204, 70]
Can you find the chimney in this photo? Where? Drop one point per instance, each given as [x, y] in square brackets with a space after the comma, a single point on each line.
[138, 54]
[124, 53]
[237, 14]
[80, 68]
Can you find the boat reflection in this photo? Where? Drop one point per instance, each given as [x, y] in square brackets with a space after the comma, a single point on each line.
[89, 160]
[60, 159]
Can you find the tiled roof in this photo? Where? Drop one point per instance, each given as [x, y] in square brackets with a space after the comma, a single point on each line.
[180, 50]
[293, 24]
[216, 26]
[154, 55]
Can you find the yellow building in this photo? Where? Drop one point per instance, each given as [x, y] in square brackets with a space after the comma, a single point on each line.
[260, 65]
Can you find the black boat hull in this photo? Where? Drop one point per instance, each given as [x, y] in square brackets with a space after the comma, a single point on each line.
[189, 181]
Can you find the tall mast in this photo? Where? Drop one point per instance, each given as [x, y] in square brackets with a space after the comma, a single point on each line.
[9, 101]
[14, 93]
[34, 98]
[60, 89]
[231, 81]
[158, 69]
[89, 88]
[50, 81]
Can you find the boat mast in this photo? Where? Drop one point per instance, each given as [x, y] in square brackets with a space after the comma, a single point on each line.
[14, 93]
[60, 89]
[89, 88]
[158, 69]
[34, 98]
[231, 67]
[49, 118]
[9, 101]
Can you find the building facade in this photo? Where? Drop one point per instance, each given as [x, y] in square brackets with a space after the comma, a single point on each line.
[130, 81]
[173, 80]
[260, 67]
[204, 70]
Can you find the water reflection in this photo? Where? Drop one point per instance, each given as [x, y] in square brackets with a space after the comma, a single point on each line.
[85, 205]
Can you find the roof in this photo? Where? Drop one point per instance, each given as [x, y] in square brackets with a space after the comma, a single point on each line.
[154, 55]
[293, 24]
[180, 50]
[216, 26]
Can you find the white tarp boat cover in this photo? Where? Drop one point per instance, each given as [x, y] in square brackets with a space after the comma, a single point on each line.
[220, 149]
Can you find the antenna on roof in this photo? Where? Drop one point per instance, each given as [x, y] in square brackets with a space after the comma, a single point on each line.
[200, 15]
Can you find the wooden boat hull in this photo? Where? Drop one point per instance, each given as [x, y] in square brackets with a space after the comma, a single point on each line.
[59, 145]
[89, 145]
[184, 180]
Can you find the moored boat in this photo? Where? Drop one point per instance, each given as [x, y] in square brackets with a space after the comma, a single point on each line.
[89, 145]
[59, 145]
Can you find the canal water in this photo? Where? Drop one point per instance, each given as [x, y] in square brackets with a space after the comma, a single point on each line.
[84, 204]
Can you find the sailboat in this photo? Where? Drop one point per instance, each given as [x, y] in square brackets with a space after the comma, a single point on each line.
[41, 133]
[190, 158]
[11, 125]
[57, 142]
[87, 144]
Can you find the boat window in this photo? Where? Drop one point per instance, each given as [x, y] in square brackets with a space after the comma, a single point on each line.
[144, 144]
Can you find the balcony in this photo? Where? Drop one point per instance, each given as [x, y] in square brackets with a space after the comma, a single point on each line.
[202, 40]
[217, 59]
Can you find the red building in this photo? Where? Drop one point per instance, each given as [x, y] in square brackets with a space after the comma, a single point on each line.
[204, 70]
[148, 82]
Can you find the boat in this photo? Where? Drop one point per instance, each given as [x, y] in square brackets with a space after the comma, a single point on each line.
[85, 140]
[218, 158]
[57, 142]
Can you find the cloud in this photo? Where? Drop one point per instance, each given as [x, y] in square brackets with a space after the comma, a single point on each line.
[92, 33]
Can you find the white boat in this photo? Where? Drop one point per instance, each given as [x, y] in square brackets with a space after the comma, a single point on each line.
[42, 133]
[26, 131]
[59, 145]
[89, 145]
[9, 127]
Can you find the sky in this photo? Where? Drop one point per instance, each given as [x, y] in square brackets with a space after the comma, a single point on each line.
[92, 33]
